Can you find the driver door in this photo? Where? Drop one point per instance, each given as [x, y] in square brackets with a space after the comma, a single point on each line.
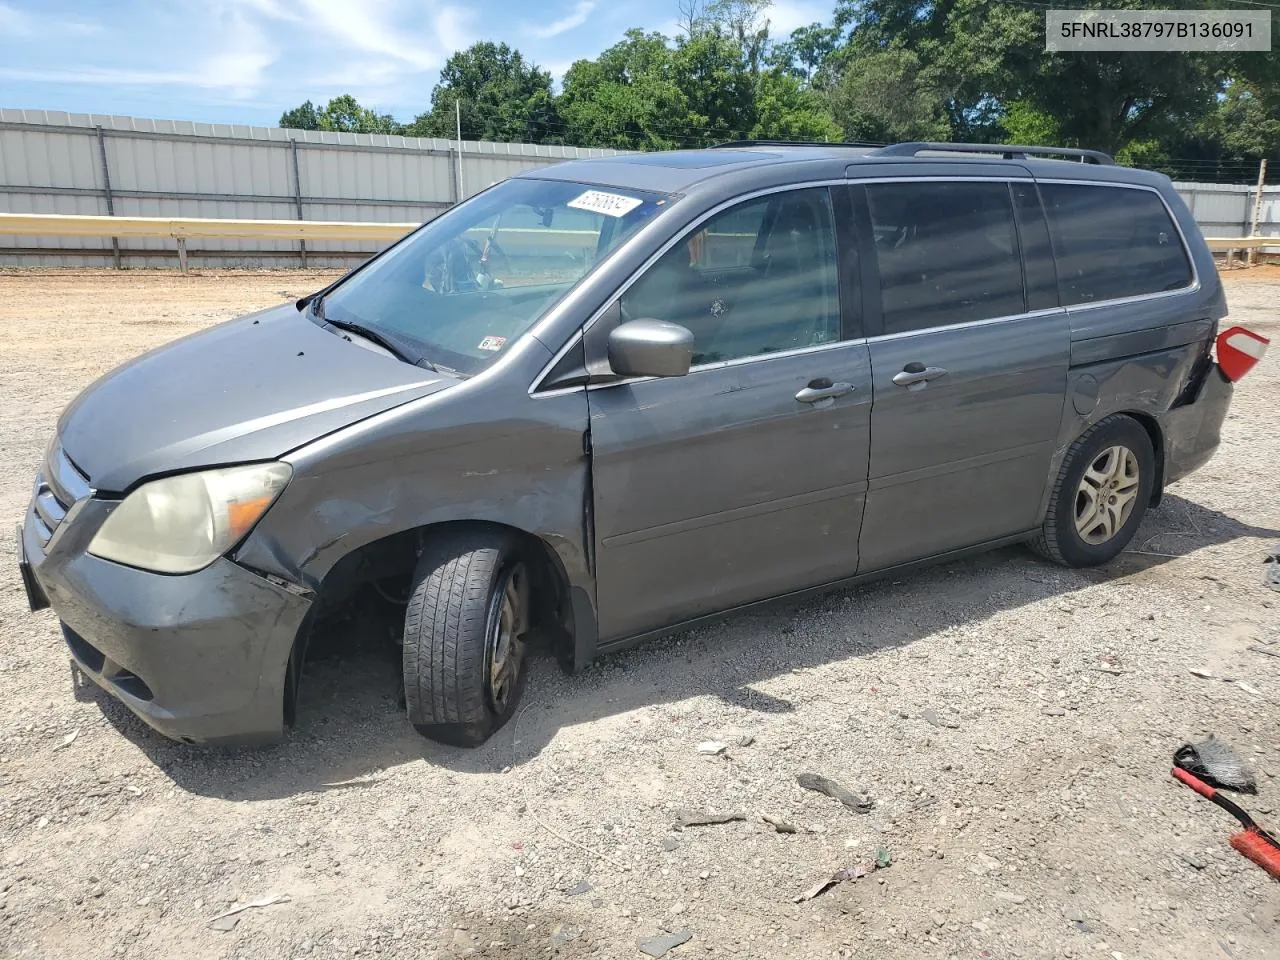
[744, 479]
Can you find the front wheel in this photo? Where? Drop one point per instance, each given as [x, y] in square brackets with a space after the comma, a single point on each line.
[1100, 496]
[464, 637]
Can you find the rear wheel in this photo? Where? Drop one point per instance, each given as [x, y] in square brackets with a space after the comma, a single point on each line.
[464, 637]
[1100, 495]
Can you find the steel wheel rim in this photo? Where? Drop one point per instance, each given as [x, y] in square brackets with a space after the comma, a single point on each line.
[504, 644]
[1107, 494]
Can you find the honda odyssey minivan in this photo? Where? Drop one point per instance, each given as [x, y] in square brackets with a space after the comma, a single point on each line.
[607, 399]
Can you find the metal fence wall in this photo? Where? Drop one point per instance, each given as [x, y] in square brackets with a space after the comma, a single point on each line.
[123, 166]
[1226, 209]
[95, 164]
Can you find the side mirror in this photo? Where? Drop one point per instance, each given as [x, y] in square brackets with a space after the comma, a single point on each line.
[650, 348]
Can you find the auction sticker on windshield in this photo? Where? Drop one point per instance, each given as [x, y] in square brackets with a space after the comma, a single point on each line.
[610, 204]
[492, 343]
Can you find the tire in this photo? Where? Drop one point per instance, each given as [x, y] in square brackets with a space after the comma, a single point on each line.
[1076, 533]
[469, 601]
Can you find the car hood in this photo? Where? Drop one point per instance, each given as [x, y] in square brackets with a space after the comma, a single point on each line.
[250, 389]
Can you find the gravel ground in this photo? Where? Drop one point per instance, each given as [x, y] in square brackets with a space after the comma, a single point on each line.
[1012, 721]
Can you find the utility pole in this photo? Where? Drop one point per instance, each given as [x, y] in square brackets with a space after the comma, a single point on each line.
[457, 107]
[1257, 210]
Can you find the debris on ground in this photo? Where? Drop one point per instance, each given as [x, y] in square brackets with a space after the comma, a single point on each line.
[1202, 673]
[227, 920]
[1263, 650]
[780, 825]
[579, 889]
[1217, 764]
[859, 803]
[695, 818]
[70, 738]
[931, 716]
[1054, 712]
[844, 874]
[1271, 569]
[563, 933]
[711, 748]
[663, 943]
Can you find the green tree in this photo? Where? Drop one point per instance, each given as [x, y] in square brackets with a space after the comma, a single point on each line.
[805, 52]
[984, 56]
[502, 96]
[304, 117]
[719, 81]
[343, 114]
[888, 96]
[626, 98]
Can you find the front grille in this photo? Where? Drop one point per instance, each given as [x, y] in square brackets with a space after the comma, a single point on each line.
[59, 486]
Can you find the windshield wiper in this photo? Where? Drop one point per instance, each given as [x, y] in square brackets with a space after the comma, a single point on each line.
[394, 345]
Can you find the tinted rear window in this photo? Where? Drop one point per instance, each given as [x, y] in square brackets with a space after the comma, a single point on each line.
[1113, 242]
[948, 253]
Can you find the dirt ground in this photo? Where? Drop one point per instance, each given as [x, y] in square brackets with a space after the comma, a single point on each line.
[1013, 722]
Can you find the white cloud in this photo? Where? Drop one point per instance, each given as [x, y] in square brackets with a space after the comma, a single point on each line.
[241, 49]
[581, 11]
[364, 27]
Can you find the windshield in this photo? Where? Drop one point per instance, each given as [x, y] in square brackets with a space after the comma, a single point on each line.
[463, 288]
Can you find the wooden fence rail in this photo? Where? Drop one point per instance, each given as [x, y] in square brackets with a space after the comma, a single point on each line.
[183, 228]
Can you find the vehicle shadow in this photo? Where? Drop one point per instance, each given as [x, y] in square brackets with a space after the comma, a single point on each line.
[351, 724]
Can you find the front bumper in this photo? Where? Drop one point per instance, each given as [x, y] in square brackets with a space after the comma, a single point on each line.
[201, 657]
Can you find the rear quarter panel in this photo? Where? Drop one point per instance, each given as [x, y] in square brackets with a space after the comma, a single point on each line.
[1136, 356]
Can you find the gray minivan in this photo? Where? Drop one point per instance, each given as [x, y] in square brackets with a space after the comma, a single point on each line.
[608, 398]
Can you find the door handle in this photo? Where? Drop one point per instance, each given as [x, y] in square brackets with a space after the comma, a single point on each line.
[823, 389]
[915, 375]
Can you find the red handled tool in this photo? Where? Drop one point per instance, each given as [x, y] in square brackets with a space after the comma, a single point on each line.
[1253, 842]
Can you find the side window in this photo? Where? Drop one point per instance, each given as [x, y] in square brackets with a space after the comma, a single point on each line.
[947, 253]
[1112, 242]
[758, 278]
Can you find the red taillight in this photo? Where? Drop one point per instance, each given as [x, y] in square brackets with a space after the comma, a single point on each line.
[1239, 350]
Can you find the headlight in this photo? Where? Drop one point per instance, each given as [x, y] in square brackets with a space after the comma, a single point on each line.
[182, 524]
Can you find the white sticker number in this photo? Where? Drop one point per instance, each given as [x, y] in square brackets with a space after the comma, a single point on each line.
[610, 204]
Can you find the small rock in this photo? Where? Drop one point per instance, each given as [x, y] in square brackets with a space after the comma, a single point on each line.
[746, 740]
[1054, 712]
[1193, 859]
[1073, 913]
[662, 944]
[931, 716]
[579, 889]
[563, 933]
[1201, 673]
[938, 919]
[778, 824]
[711, 748]
[669, 843]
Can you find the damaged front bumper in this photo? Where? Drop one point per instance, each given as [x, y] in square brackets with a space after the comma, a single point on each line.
[200, 657]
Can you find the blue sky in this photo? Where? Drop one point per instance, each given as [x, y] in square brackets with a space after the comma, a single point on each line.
[245, 61]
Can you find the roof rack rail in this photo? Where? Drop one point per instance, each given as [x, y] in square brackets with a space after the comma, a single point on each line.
[1009, 151]
[790, 143]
